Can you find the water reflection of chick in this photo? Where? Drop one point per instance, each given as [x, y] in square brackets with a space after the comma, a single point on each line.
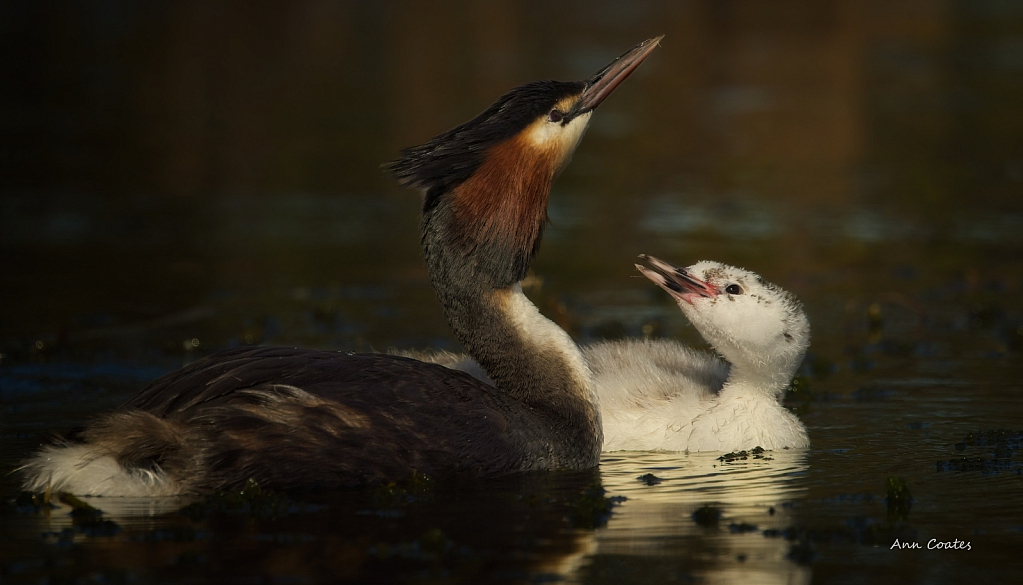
[656, 523]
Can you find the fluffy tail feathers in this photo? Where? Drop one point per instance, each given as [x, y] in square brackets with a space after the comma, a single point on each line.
[126, 453]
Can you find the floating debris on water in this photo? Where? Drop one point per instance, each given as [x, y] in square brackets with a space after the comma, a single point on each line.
[252, 500]
[593, 508]
[419, 487]
[857, 530]
[433, 545]
[999, 446]
[756, 453]
[31, 503]
[85, 519]
[707, 516]
[742, 527]
[649, 479]
[1001, 438]
[900, 500]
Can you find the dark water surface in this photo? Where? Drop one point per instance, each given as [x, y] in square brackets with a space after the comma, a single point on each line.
[178, 178]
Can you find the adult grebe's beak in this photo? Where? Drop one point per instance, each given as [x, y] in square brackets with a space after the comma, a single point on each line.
[603, 82]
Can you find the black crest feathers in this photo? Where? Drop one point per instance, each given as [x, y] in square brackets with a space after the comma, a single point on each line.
[452, 157]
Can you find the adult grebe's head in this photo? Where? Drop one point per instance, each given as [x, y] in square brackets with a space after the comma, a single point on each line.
[486, 182]
[757, 326]
[539, 123]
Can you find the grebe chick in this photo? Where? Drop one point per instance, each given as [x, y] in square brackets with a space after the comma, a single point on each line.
[662, 395]
[300, 418]
[673, 398]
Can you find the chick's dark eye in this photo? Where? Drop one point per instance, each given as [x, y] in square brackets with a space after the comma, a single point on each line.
[555, 116]
[733, 289]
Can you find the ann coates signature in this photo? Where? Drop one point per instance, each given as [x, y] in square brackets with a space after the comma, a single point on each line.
[932, 544]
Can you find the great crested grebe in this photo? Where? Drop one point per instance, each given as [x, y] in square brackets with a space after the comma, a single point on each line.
[662, 395]
[292, 417]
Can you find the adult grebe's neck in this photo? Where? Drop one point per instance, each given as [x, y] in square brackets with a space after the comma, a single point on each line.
[476, 255]
[525, 354]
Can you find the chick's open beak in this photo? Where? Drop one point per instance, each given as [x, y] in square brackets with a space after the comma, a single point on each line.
[678, 282]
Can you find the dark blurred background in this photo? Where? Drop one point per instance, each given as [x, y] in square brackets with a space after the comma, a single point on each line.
[183, 176]
[180, 177]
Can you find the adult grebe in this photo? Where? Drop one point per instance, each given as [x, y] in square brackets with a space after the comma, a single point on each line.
[291, 417]
[662, 395]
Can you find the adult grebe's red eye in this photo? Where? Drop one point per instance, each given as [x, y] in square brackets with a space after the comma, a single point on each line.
[555, 116]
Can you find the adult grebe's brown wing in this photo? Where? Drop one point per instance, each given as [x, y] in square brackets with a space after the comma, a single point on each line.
[292, 416]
